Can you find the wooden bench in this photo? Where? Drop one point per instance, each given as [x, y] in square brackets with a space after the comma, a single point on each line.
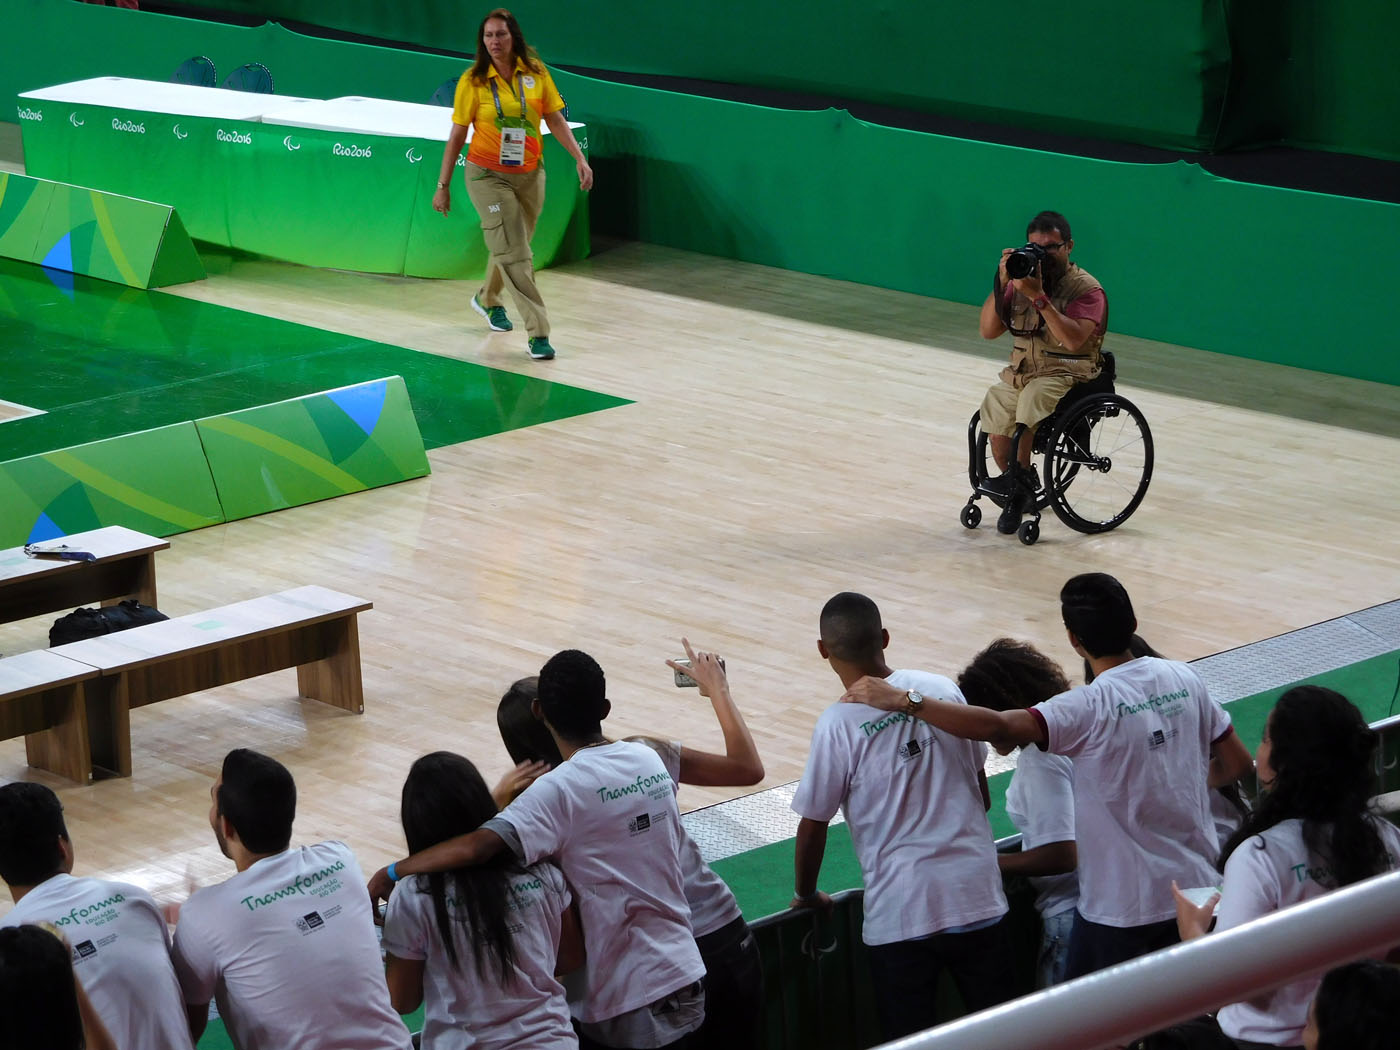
[125, 567]
[310, 628]
[42, 699]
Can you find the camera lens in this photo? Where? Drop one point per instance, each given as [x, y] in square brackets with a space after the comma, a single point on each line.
[1020, 263]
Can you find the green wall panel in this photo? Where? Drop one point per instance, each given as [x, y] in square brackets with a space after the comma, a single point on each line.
[313, 448]
[110, 482]
[1153, 72]
[103, 235]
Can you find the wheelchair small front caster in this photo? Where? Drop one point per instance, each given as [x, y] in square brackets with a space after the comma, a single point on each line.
[971, 516]
[1028, 532]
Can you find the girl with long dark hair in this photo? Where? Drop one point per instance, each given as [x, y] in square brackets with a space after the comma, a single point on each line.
[481, 944]
[1311, 832]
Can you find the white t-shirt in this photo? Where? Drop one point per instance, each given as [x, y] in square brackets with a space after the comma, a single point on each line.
[1259, 882]
[608, 818]
[1040, 802]
[911, 799]
[1140, 736]
[121, 952]
[468, 1007]
[712, 903]
[287, 948]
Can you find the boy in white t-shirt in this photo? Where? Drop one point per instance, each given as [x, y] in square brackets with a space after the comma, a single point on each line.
[287, 945]
[121, 950]
[608, 817]
[1146, 740]
[915, 801]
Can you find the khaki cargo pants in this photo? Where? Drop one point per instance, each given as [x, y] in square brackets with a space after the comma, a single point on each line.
[1005, 406]
[509, 204]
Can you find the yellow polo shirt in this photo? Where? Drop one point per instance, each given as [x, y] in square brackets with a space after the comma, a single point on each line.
[474, 107]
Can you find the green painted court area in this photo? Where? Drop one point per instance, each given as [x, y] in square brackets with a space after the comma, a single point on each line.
[102, 360]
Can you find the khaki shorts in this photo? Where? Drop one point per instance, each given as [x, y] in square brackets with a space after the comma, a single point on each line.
[1005, 406]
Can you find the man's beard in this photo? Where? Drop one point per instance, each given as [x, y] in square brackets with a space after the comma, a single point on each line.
[1052, 271]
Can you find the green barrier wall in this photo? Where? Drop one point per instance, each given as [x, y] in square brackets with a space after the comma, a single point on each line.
[110, 483]
[1192, 74]
[1187, 258]
[313, 448]
[119, 239]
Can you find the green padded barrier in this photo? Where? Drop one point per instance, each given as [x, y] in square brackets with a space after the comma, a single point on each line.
[287, 192]
[313, 448]
[115, 238]
[110, 482]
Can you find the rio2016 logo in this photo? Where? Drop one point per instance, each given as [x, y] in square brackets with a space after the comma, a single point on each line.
[25, 113]
[242, 138]
[352, 150]
[130, 126]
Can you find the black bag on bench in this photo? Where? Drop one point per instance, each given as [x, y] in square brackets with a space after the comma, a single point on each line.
[90, 623]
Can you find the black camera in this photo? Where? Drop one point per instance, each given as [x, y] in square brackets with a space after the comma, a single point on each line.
[1025, 261]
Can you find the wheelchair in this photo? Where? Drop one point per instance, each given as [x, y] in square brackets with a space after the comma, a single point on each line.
[1095, 461]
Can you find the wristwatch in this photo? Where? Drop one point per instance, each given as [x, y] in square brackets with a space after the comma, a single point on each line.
[913, 701]
[1040, 302]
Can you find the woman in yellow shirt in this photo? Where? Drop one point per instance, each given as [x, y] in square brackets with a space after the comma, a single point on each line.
[501, 101]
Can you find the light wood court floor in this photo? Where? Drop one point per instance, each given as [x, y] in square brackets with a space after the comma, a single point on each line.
[791, 437]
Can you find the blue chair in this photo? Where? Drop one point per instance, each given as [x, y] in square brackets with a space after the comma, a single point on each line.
[253, 76]
[198, 71]
[446, 93]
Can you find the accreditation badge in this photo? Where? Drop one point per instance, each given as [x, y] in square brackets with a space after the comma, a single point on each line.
[513, 147]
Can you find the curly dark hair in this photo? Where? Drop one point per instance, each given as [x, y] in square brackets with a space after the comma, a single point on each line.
[1358, 1007]
[1008, 675]
[1321, 752]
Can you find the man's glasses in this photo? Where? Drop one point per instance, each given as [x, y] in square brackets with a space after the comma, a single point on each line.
[1053, 247]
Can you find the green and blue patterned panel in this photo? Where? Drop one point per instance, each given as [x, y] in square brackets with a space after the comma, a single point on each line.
[312, 448]
[104, 235]
[153, 481]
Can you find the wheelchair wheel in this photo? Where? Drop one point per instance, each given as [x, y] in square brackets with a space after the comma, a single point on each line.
[1098, 463]
[971, 516]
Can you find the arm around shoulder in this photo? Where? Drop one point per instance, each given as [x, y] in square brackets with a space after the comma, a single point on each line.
[1229, 760]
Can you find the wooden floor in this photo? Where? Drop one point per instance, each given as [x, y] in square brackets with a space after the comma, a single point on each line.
[791, 437]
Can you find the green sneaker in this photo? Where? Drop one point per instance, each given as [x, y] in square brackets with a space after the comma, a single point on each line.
[540, 349]
[495, 316]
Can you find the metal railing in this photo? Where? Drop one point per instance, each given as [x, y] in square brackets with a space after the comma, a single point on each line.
[1125, 1002]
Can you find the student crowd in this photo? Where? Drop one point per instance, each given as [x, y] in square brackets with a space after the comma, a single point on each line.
[568, 907]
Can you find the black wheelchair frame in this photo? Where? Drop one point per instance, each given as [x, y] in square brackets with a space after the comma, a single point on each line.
[1075, 441]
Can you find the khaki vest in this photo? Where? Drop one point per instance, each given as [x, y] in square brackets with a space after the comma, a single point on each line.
[1043, 354]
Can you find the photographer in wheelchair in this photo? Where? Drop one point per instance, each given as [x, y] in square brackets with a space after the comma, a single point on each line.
[1056, 399]
[1057, 315]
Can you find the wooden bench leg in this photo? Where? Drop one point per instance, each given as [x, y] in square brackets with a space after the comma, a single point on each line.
[109, 724]
[335, 679]
[63, 749]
